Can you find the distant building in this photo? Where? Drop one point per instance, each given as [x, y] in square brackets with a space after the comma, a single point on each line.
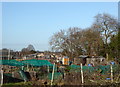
[96, 61]
[30, 56]
[40, 55]
[80, 59]
[6, 54]
[86, 60]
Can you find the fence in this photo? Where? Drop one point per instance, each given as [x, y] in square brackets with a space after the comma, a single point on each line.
[71, 74]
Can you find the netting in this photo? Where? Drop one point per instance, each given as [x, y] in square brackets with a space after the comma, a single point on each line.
[101, 68]
[34, 62]
[56, 75]
[11, 63]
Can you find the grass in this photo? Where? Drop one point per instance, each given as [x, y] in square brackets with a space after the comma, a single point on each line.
[20, 84]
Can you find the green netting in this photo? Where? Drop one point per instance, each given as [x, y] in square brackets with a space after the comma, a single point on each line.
[88, 68]
[11, 63]
[8, 74]
[101, 68]
[34, 62]
[85, 68]
[56, 75]
[23, 75]
[74, 66]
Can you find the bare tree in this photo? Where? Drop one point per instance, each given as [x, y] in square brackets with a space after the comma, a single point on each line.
[91, 41]
[107, 26]
[76, 41]
[68, 42]
[57, 40]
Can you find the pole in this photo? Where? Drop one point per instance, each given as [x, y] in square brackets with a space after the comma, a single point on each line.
[107, 56]
[1, 77]
[48, 69]
[53, 74]
[82, 74]
[22, 67]
[27, 67]
[111, 68]
[13, 74]
[8, 54]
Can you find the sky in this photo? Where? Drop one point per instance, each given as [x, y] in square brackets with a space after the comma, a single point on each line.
[25, 23]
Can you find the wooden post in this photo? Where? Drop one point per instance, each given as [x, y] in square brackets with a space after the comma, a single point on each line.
[107, 56]
[22, 67]
[27, 67]
[53, 74]
[13, 74]
[48, 69]
[111, 68]
[82, 74]
[1, 77]
[8, 54]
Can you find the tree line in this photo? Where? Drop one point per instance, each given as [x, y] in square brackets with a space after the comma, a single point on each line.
[102, 38]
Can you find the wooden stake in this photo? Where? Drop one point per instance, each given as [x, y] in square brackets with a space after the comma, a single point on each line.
[111, 73]
[22, 67]
[48, 69]
[1, 77]
[12, 74]
[8, 54]
[82, 74]
[53, 74]
[27, 67]
[107, 56]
